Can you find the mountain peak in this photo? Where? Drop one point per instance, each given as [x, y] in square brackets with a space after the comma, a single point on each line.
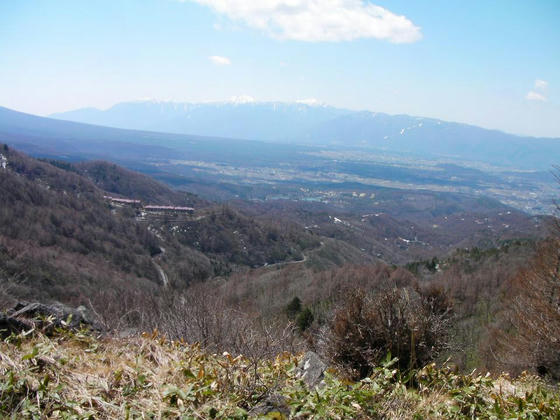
[242, 99]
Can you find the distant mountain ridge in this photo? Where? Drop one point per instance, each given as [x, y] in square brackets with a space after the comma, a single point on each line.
[270, 121]
[48, 137]
[322, 125]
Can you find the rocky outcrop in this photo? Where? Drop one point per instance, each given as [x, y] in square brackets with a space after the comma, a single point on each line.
[311, 369]
[272, 407]
[25, 316]
[9, 325]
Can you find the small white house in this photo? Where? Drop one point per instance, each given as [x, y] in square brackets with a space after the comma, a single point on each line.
[3, 161]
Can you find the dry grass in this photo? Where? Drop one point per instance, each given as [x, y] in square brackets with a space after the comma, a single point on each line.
[77, 375]
[145, 376]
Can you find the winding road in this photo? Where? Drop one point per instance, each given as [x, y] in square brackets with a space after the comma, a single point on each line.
[305, 257]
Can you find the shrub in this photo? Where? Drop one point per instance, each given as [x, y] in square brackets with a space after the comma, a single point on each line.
[409, 324]
[293, 308]
[432, 264]
[528, 337]
[304, 319]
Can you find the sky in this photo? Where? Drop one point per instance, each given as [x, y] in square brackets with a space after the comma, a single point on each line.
[495, 64]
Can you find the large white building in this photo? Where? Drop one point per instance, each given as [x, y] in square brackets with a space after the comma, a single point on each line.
[3, 161]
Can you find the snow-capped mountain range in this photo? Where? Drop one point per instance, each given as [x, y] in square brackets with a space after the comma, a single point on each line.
[240, 117]
[307, 122]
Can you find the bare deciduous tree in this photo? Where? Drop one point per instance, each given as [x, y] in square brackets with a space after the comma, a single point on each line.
[531, 339]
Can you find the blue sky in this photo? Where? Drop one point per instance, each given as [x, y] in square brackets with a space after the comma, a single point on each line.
[489, 63]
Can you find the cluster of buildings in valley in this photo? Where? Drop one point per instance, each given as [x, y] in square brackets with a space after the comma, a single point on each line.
[150, 208]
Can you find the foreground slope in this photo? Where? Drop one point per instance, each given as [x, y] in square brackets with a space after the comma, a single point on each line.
[79, 376]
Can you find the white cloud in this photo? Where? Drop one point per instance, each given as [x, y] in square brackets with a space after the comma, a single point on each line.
[541, 84]
[536, 96]
[219, 61]
[539, 91]
[318, 20]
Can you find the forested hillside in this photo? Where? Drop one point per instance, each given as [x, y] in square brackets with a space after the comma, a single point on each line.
[60, 239]
[123, 182]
